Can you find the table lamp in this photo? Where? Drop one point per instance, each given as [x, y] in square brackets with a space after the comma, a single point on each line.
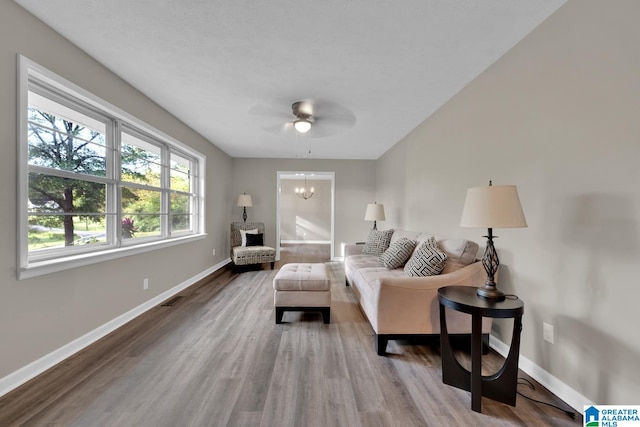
[494, 206]
[375, 212]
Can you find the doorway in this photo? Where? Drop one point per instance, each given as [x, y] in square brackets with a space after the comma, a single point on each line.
[305, 219]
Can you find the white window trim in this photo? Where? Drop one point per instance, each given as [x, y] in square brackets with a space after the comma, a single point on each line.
[26, 269]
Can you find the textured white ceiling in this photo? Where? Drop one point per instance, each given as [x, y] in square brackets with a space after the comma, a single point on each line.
[231, 69]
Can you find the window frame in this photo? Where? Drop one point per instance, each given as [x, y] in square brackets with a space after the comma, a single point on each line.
[117, 121]
[109, 179]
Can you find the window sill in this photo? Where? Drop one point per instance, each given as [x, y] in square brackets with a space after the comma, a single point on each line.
[40, 268]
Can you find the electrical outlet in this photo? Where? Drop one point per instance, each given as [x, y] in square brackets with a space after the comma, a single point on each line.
[547, 332]
[214, 252]
[145, 284]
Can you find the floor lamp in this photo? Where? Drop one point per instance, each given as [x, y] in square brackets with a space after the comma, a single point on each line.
[494, 206]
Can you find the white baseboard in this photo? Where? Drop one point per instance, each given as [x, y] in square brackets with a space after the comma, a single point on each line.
[553, 384]
[24, 374]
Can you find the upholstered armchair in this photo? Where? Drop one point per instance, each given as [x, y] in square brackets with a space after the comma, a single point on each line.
[243, 254]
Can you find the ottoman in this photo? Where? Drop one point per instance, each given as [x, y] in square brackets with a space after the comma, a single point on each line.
[302, 287]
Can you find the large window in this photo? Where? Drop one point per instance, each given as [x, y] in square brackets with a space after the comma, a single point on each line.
[96, 183]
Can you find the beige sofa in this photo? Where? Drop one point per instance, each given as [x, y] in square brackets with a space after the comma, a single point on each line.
[402, 307]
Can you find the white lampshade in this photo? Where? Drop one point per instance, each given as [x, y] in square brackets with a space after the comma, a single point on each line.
[244, 200]
[375, 212]
[493, 206]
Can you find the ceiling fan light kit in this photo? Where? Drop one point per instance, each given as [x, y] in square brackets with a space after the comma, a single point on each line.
[302, 111]
[302, 125]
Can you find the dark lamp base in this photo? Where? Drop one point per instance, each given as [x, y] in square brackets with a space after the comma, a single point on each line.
[490, 292]
[490, 262]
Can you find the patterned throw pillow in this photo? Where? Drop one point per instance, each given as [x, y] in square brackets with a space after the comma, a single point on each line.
[398, 253]
[429, 260]
[377, 242]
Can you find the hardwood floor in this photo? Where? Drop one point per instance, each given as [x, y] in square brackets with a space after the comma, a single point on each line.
[304, 253]
[217, 358]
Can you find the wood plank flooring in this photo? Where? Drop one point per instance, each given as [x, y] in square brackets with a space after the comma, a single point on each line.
[217, 358]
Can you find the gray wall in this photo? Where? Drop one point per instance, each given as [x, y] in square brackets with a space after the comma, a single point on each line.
[354, 182]
[558, 116]
[40, 315]
[305, 220]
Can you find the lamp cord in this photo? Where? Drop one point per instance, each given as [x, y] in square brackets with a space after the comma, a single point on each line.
[529, 384]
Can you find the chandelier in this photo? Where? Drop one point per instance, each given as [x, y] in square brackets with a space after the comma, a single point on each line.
[302, 192]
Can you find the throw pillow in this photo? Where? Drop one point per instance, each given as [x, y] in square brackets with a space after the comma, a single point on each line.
[243, 235]
[398, 253]
[377, 242]
[429, 260]
[255, 239]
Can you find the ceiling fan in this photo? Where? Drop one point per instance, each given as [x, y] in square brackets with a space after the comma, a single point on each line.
[317, 118]
[304, 116]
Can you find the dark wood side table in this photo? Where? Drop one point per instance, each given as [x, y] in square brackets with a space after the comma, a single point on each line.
[500, 386]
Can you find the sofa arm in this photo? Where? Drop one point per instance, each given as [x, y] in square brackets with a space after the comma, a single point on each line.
[411, 303]
[470, 275]
[352, 250]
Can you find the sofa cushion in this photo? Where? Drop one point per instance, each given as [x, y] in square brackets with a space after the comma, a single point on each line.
[460, 252]
[372, 275]
[243, 255]
[357, 262]
[399, 234]
[398, 253]
[429, 260]
[377, 242]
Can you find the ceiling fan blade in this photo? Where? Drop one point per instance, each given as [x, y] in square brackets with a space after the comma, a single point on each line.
[344, 120]
[324, 108]
[269, 111]
[278, 129]
[332, 125]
